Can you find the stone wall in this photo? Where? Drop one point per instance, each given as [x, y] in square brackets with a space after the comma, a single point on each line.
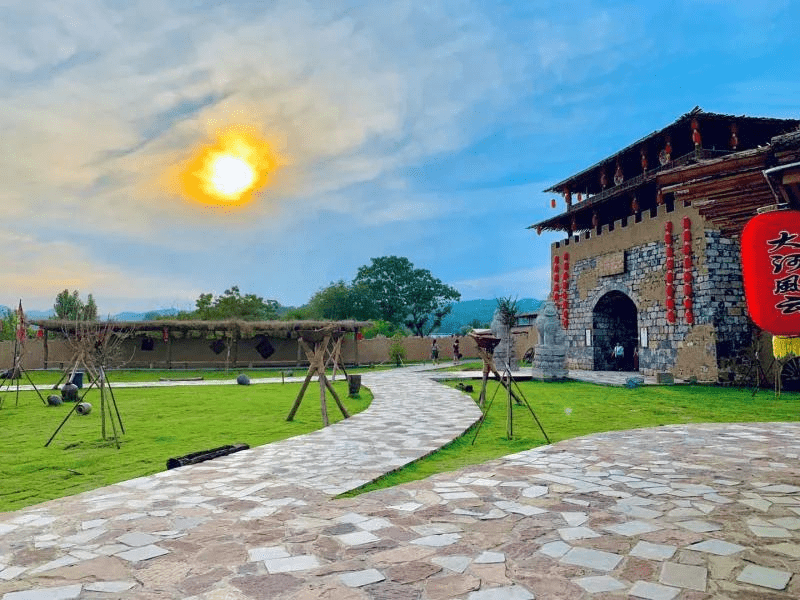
[721, 327]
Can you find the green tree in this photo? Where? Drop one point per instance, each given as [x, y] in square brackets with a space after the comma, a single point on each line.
[8, 327]
[335, 302]
[69, 306]
[231, 304]
[391, 289]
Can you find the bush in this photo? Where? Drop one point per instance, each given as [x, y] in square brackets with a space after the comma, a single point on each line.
[396, 351]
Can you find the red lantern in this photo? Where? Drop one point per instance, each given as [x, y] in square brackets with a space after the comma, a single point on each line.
[556, 297]
[670, 252]
[670, 277]
[687, 222]
[566, 323]
[165, 334]
[566, 256]
[670, 316]
[687, 277]
[687, 289]
[556, 287]
[687, 248]
[670, 290]
[668, 226]
[670, 264]
[538, 230]
[770, 251]
[687, 262]
[668, 239]
[689, 317]
[670, 304]
[555, 259]
[687, 303]
[687, 236]
[553, 203]
[565, 277]
[40, 333]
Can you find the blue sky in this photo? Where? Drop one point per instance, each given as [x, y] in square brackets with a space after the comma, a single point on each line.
[419, 129]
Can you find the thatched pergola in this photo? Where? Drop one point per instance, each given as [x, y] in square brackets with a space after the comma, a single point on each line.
[231, 330]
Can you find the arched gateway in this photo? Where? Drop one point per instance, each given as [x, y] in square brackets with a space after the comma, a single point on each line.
[614, 319]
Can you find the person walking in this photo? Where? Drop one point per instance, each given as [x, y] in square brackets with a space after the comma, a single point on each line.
[456, 352]
[619, 355]
[434, 352]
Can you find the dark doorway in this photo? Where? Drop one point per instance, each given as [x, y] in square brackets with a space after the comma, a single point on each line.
[614, 320]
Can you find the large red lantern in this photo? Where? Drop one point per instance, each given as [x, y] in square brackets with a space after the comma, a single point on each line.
[771, 271]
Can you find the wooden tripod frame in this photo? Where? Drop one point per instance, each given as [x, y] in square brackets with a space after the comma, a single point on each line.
[16, 373]
[99, 379]
[485, 347]
[315, 343]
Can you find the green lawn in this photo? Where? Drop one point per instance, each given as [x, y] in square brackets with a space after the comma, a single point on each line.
[159, 422]
[48, 378]
[572, 409]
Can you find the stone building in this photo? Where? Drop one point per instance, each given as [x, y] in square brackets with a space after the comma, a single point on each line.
[651, 257]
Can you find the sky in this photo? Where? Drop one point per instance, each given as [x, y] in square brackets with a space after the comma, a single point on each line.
[420, 129]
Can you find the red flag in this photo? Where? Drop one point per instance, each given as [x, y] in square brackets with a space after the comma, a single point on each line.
[20, 323]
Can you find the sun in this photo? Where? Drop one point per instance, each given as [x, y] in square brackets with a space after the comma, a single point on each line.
[231, 175]
[228, 170]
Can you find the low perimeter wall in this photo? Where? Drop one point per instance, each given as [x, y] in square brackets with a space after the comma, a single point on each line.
[196, 353]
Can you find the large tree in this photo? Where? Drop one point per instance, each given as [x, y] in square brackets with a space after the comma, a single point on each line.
[391, 289]
[232, 305]
[69, 306]
[335, 302]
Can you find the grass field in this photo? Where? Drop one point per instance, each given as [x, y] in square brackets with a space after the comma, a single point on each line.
[48, 378]
[159, 422]
[572, 409]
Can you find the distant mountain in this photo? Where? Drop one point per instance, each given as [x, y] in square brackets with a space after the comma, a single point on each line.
[465, 313]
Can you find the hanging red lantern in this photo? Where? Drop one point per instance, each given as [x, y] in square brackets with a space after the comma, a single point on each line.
[687, 236]
[40, 333]
[687, 222]
[670, 316]
[770, 245]
[687, 277]
[565, 277]
[668, 239]
[670, 290]
[556, 297]
[687, 249]
[566, 323]
[689, 317]
[668, 226]
[670, 252]
[687, 262]
[670, 263]
[555, 259]
[566, 257]
[538, 230]
[552, 203]
[687, 303]
[687, 289]
[670, 304]
[670, 277]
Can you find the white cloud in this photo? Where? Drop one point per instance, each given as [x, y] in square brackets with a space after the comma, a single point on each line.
[520, 283]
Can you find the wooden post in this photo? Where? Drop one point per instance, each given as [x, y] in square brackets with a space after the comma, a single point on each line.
[235, 350]
[355, 346]
[169, 349]
[45, 350]
[322, 406]
[509, 415]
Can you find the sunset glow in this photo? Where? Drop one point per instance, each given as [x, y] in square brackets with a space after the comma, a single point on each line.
[229, 170]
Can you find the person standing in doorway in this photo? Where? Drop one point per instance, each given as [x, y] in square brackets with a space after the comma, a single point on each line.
[619, 355]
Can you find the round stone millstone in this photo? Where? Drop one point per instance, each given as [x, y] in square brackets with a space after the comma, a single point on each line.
[54, 400]
[243, 379]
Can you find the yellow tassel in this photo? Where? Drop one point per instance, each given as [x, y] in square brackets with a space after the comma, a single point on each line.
[785, 347]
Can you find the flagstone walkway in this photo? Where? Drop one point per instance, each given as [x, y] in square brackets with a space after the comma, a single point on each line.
[687, 512]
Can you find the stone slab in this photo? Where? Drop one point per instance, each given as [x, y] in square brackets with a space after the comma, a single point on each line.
[773, 579]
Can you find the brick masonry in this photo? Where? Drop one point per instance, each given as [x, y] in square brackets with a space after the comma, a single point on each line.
[704, 349]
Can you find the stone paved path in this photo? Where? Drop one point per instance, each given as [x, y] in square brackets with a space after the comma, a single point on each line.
[688, 512]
